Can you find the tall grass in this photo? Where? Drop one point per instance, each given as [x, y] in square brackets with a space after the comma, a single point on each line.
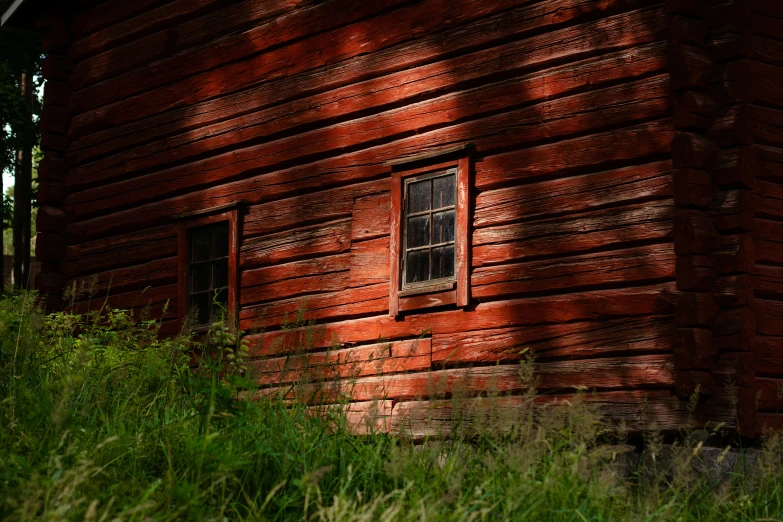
[103, 420]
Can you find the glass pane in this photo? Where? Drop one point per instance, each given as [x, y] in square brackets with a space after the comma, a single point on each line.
[221, 240]
[444, 190]
[442, 262]
[201, 302]
[199, 276]
[443, 227]
[419, 196]
[417, 267]
[418, 231]
[201, 244]
[219, 304]
[220, 274]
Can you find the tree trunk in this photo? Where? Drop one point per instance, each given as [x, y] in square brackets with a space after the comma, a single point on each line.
[22, 193]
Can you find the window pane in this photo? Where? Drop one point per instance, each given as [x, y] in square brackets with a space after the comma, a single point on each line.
[201, 244]
[201, 302]
[220, 274]
[419, 196]
[418, 231]
[418, 266]
[220, 304]
[443, 191]
[199, 275]
[443, 227]
[442, 262]
[221, 240]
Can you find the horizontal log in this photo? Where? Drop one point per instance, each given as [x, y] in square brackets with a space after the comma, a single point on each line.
[570, 194]
[694, 233]
[342, 304]
[601, 304]
[576, 340]
[769, 241]
[157, 272]
[604, 374]
[733, 211]
[686, 30]
[150, 303]
[126, 249]
[693, 188]
[735, 168]
[50, 219]
[310, 54]
[260, 52]
[769, 317]
[767, 281]
[770, 394]
[634, 411]
[198, 30]
[694, 349]
[348, 363]
[385, 65]
[123, 30]
[327, 238]
[49, 247]
[614, 267]
[51, 193]
[280, 281]
[735, 254]
[285, 214]
[370, 262]
[747, 81]
[768, 355]
[733, 291]
[735, 330]
[695, 273]
[370, 217]
[695, 309]
[359, 418]
[690, 67]
[735, 369]
[690, 150]
[562, 157]
[573, 233]
[768, 199]
[693, 385]
[100, 15]
[561, 117]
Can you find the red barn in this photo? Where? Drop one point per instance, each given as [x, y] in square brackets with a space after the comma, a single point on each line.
[600, 181]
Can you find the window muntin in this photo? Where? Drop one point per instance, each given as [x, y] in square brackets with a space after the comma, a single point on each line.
[429, 238]
[208, 271]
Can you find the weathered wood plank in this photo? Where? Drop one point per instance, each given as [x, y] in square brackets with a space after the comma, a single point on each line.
[769, 317]
[573, 233]
[160, 45]
[285, 214]
[638, 411]
[768, 355]
[769, 241]
[647, 25]
[768, 199]
[649, 263]
[370, 217]
[604, 304]
[326, 238]
[348, 363]
[350, 302]
[149, 303]
[125, 249]
[767, 281]
[574, 340]
[570, 194]
[370, 262]
[279, 281]
[153, 273]
[563, 157]
[603, 373]
[626, 103]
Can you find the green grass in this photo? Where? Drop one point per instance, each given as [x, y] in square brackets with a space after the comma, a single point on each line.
[101, 420]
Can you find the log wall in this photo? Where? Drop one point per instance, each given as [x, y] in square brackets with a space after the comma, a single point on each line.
[596, 127]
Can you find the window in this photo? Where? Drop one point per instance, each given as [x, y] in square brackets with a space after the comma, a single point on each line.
[208, 265]
[208, 272]
[430, 220]
[429, 231]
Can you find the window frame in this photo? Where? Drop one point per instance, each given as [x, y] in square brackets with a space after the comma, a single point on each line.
[440, 292]
[197, 220]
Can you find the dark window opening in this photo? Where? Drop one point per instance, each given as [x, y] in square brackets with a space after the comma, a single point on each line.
[429, 229]
[208, 272]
